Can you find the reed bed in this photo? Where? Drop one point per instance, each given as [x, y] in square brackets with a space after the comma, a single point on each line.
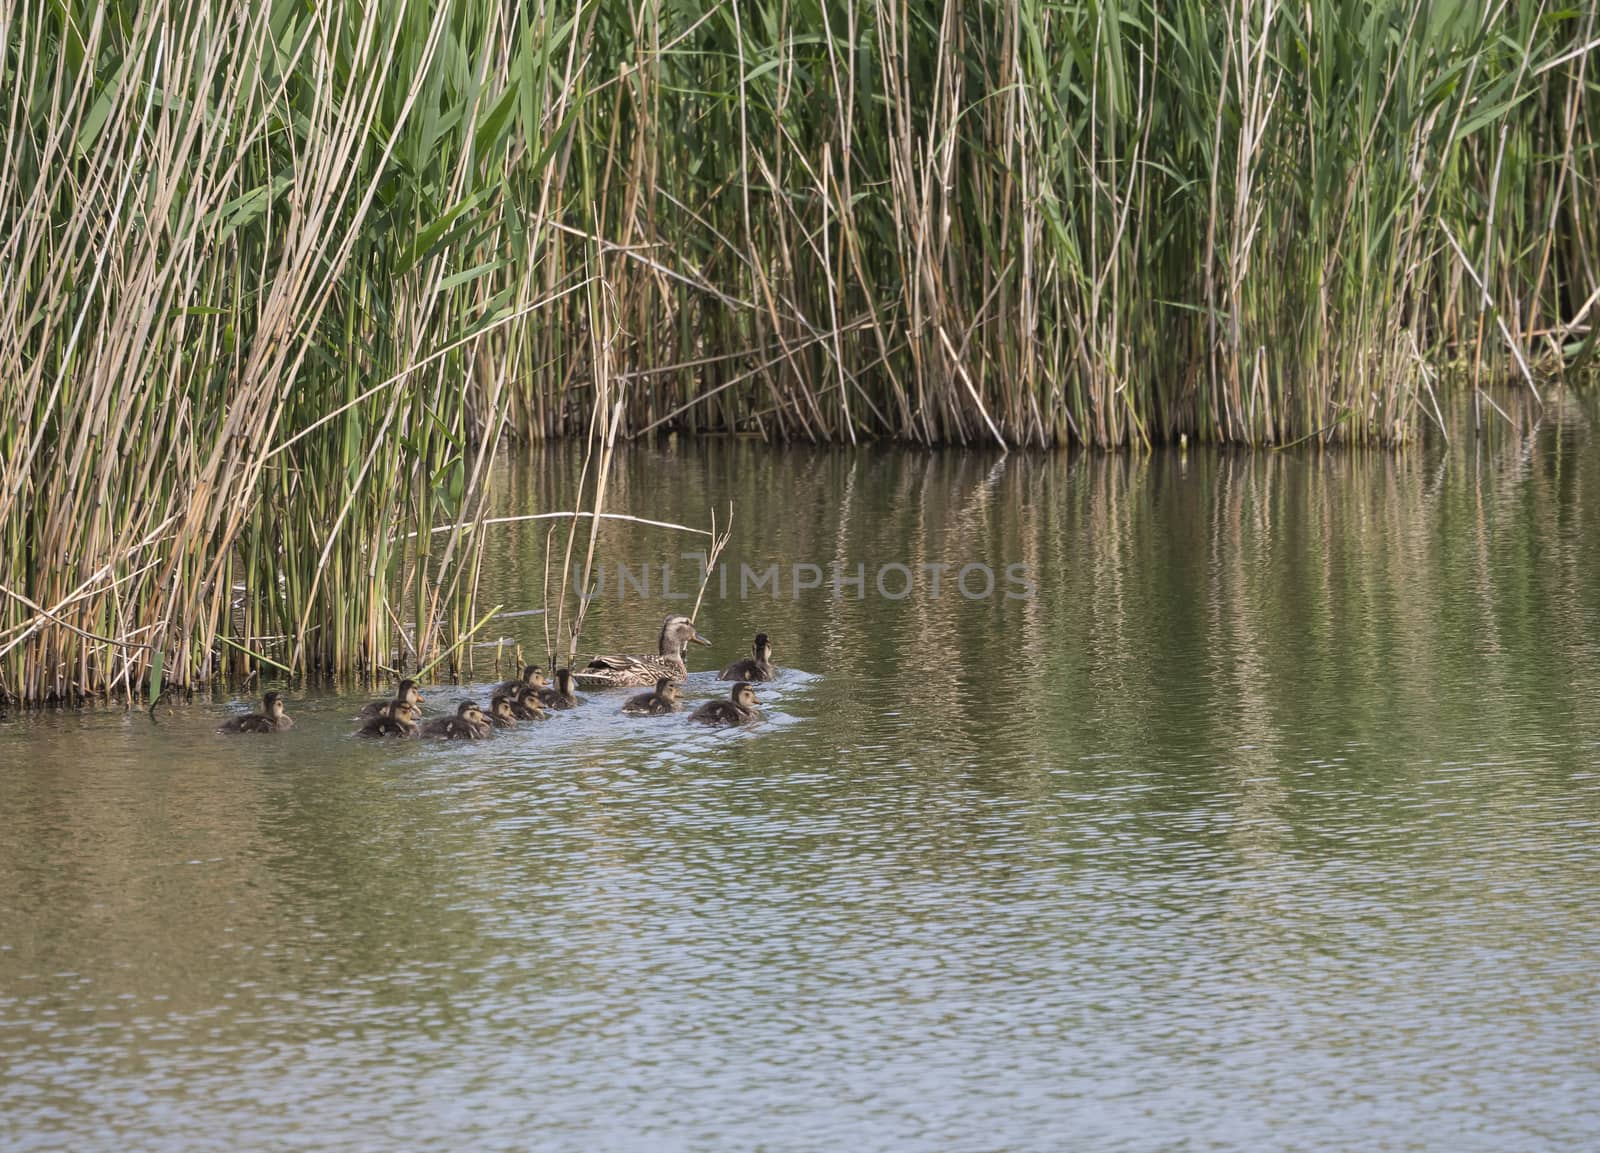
[280, 279]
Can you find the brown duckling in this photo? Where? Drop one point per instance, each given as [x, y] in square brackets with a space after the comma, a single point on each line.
[677, 634]
[271, 719]
[738, 709]
[532, 677]
[525, 706]
[756, 667]
[660, 701]
[405, 692]
[561, 696]
[468, 724]
[501, 714]
[396, 720]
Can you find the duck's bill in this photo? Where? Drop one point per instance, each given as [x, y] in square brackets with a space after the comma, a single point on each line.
[700, 640]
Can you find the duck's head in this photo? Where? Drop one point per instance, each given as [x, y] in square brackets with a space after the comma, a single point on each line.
[470, 712]
[399, 709]
[534, 675]
[272, 704]
[677, 634]
[763, 648]
[528, 698]
[500, 706]
[743, 695]
[564, 682]
[666, 689]
[407, 692]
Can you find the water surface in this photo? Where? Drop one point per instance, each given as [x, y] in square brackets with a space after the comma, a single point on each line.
[1269, 820]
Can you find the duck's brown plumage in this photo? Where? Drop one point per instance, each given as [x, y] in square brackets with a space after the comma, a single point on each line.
[271, 719]
[532, 677]
[658, 702]
[526, 705]
[394, 721]
[757, 666]
[738, 708]
[561, 696]
[468, 724]
[501, 714]
[406, 692]
[677, 634]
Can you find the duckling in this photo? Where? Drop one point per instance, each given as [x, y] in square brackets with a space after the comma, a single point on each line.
[677, 633]
[525, 705]
[468, 724]
[405, 692]
[532, 676]
[738, 709]
[501, 714]
[272, 718]
[660, 701]
[757, 667]
[562, 696]
[396, 720]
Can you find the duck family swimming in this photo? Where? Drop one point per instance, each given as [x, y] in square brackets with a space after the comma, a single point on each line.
[527, 697]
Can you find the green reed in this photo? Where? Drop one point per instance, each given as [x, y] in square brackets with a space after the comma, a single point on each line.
[280, 278]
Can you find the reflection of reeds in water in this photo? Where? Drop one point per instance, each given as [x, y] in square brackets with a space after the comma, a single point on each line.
[270, 274]
[1207, 601]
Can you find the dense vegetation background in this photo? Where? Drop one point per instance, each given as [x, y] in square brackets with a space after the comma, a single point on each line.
[279, 277]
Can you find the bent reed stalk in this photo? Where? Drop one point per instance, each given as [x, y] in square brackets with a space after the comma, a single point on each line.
[278, 279]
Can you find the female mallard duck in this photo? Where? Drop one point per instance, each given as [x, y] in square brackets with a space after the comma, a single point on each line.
[469, 724]
[525, 705]
[562, 696]
[532, 676]
[271, 719]
[501, 714]
[395, 721]
[658, 702]
[738, 709]
[405, 692]
[756, 667]
[677, 632]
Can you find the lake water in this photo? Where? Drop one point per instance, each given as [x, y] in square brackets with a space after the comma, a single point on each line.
[1269, 819]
